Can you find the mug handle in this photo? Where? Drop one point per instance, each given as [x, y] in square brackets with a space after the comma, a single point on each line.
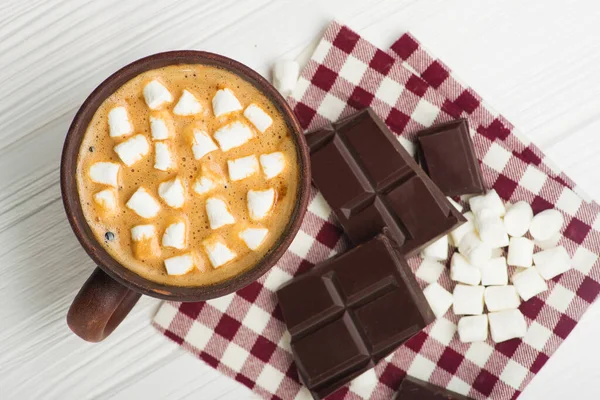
[100, 306]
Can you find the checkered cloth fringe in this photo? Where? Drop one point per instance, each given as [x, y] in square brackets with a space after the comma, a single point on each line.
[243, 334]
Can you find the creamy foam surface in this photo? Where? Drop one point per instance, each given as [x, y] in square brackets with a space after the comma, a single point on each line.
[203, 82]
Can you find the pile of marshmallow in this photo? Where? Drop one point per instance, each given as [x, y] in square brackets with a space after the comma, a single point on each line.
[132, 149]
[483, 295]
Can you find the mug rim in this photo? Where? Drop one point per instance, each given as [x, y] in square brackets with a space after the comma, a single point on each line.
[70, 193]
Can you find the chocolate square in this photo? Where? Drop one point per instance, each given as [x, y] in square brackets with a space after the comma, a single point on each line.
[416, 389]
[350, 311]
[371, 183]
[446, 153]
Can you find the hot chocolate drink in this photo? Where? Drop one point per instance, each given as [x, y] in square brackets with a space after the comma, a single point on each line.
[188, 175]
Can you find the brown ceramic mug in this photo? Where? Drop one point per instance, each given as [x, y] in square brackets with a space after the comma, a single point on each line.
[112, 290]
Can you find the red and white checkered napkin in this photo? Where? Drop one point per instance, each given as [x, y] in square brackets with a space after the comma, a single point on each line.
[243, 335]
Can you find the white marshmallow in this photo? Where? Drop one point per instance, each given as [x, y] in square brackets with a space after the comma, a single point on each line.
[188, 104]
[107, 200]
[203, 185]
[468, 300]
[156, 95]
[518, 219]
[118, 122]
[285, 76]
[179, 265]
[144, 242]
[437, 250]
[218, 213]
[430, 270]
[174, 235]
[546, 225]
[529, 283]
[225, 102]
[520, 252]
[494, 272]
[490, 201]
[439, 299]
[468, 227]
[143, 204]
[549, 243]
[260, 202]
[272, 164]
[172, 192]
[233, 135]
[159, 127]
[142, 232]
[462, 271]
[474, 249]
[218, 252]
[106, 173]
[132, 150]
[552, 262]
[202, 144]
[458, 207]
[473, 328]
[498, 298]
[506, 325]
[163, 159]
[242, 168]
[491, 229]
[253, 237]
[259, 118]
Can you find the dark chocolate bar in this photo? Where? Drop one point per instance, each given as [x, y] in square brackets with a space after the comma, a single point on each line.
[349, 312]
[371, 182]
[446, 154]
[416, 389]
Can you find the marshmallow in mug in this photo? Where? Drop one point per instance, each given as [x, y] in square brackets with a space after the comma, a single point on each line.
[233, 135]
[217, 251]
[163, 157]
[243, 167]
[260, 203]
[106, 173]
[180, 265]
[174, 236]
[202, 144]
[172, 192]
[224, 102]
[107, 200]
[118, 122]
[258, 117]
[143, 204]
[132, 150]
[187, 105]
[253, 237]
[272, 164]
[218, 213]
[156, 95]
[144, 242]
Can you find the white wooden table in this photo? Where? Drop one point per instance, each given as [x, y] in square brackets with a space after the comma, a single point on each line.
[536, 61]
